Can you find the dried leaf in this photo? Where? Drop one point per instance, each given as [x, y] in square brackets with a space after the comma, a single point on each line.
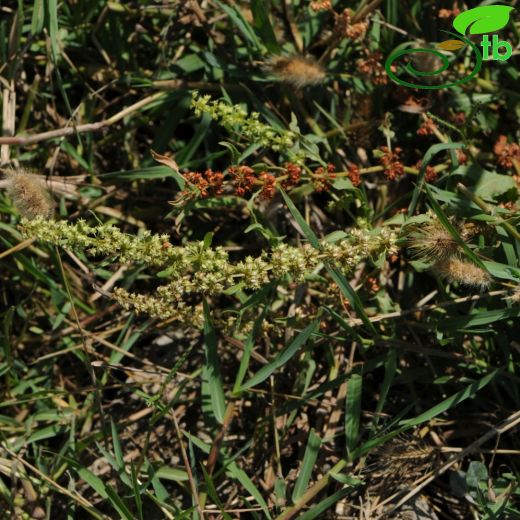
[163, 159]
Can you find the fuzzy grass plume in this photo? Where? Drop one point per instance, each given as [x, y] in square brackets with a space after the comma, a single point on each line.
[456, 269]
[29, 194]
[298, 71]
[432, 242]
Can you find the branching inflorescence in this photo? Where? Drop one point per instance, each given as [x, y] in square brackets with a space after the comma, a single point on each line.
[235, 117]
[195, 269]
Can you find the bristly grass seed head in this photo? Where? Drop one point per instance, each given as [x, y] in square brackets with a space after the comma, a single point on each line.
[29, 194]
[299, 71]
[432, 242]
[456, 269]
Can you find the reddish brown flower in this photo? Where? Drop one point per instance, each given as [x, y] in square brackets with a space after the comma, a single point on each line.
[269, 185]
[462, 157]
[448, 13]
[321, 5]
[198, 182]
[459, 118]
[430, 174]
[294, 173]
[427, 128]
[345, 27]
[372, 284]
[354, 175]
[391, 162]
[215, 180]
[372, 67]
[323, 178]
[243, 179]
[507, 153]
[208, 183]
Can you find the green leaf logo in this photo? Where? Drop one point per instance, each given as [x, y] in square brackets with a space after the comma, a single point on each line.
[484, 19]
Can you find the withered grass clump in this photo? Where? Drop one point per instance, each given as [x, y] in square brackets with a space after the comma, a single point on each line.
[398, 463]
[29, 194]
[299, 71]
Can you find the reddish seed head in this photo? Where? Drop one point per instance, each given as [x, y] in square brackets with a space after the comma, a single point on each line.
[354, 175]
[269, 186]
[391, 162]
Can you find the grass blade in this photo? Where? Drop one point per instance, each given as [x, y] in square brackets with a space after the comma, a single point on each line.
[309, 458]
[211, 371]
[283, 357]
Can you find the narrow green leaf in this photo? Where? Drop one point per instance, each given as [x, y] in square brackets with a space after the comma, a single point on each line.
[336, 274]
[282, 357]
[118, 452]
[432, 151]
[479, 318]
[262, 24]
[211, 370]
[248, 348]
[318, 510]
[241, 23]
[309, 458]
[137, 490]
[353, 411]
[306, 229]
[452, 401]
[390, 370]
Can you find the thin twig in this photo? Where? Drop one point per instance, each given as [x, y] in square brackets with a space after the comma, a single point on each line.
[193, 486]
[80, 129]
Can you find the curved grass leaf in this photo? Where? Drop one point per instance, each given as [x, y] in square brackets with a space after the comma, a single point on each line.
[334, 272]
[211, 371]
[309, 458]
[432, 151]
[353, 411]
[283, 357]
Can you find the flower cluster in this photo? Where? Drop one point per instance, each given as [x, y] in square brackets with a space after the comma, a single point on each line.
[268, 185]
[204, 184]
[354, 175]
[323, 178]
[427, 128]
[430, 174]
[195, 269]
[322, 5]
[234, 117]
[294, 174]
[371, 66]
[508, 153]
[390, 160]
[448, 13]
[243, 179]
[344, 26]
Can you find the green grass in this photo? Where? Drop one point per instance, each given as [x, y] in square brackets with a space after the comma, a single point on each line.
[333, 374]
